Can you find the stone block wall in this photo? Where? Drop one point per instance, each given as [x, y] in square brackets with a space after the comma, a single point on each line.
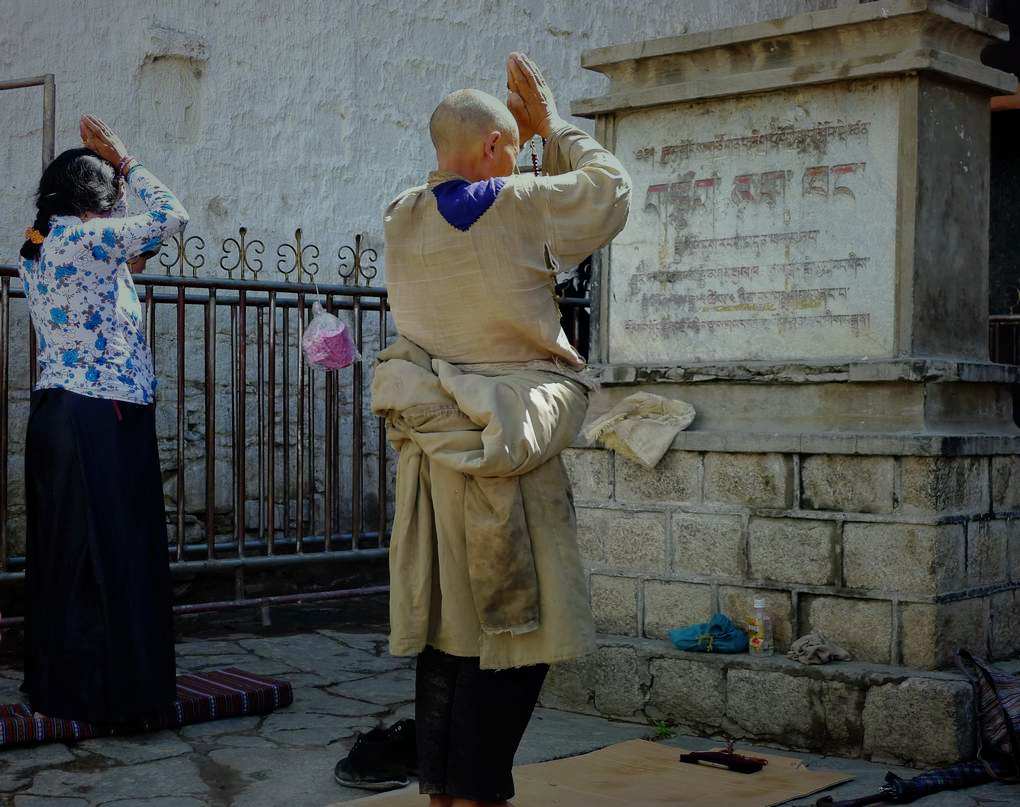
[850, 709]
[901, 559]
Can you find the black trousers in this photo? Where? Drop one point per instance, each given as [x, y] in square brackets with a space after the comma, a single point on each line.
[469, 723]
[99, 643]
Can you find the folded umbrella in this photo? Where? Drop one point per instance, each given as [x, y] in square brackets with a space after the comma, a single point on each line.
[903, 791]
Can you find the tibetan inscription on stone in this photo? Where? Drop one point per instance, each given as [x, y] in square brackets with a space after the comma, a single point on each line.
[761, 228]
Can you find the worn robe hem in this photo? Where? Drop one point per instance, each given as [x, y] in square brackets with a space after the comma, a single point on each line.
[411, 649]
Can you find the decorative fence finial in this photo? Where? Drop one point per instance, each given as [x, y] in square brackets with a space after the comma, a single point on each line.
[305, 270]
[243, 248]
[362, 262]
[181, 259]
[242, 258]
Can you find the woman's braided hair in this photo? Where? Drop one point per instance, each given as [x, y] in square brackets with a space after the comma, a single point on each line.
[77, 181]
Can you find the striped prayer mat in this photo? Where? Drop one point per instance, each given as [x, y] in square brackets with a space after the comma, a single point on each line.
[201, 697]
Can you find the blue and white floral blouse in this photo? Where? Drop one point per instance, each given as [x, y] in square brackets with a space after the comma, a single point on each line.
[85, 309]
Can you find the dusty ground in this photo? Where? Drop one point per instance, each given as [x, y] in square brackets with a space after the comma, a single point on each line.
[344, 683]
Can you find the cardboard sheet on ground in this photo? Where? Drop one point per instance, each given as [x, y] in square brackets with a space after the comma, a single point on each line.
[641, 774]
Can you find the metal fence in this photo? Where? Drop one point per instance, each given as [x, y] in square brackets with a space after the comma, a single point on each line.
[49, 105]
[267, 462]
[1004, 338]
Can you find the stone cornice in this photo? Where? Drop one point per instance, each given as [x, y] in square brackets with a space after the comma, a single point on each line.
[872, 40]
[928, 370]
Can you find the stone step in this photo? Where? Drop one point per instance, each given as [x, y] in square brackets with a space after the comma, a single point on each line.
[878, 712]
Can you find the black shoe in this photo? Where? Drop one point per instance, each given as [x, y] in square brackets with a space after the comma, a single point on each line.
[383, 759]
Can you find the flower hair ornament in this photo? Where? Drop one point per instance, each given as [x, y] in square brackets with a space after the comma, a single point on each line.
[34, 235]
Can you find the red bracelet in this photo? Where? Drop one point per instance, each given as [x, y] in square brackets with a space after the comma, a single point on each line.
[125, 165]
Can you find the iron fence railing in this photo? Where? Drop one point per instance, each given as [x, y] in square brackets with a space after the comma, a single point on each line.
[49, 107]
[267, 463]
[1004, 338]
[229, 349]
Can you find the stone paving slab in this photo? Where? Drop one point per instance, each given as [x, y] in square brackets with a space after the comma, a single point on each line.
[344, 683]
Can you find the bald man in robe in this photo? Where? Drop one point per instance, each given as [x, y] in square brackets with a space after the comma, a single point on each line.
[471, 263]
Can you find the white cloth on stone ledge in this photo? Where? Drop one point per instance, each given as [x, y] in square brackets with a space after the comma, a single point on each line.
[816, 648]
[642, 427]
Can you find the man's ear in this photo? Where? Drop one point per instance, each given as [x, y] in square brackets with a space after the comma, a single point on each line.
[491, 143]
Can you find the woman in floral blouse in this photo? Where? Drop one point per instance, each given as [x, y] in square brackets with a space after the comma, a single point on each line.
[99, 629]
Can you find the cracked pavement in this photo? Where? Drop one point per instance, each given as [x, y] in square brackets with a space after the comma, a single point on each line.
[344, 682]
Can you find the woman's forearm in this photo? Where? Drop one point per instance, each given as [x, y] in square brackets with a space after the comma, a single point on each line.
[157, 197]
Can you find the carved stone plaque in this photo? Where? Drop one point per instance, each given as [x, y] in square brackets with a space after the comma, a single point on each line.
[761, 228]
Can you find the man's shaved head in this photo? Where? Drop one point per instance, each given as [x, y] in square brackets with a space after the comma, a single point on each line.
[464, 116]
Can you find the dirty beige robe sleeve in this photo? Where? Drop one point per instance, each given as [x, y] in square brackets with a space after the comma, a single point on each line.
[585, 197]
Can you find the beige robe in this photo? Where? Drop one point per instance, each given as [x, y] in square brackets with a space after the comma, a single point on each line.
[488, 294]
[483, 300]
[502, 518]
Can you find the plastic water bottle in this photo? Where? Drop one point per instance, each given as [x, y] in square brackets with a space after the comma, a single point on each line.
[761, 630]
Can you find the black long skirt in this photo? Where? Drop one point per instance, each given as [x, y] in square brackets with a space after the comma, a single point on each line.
[99, 642]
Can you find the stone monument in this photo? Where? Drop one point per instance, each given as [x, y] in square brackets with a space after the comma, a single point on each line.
[807, 263]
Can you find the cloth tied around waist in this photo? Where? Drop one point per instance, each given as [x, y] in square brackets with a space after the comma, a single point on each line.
[492, 427]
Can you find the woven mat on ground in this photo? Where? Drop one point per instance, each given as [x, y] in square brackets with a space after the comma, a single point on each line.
[641, 774]
[200, 697]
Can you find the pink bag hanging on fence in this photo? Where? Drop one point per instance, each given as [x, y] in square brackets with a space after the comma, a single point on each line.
[327, 342]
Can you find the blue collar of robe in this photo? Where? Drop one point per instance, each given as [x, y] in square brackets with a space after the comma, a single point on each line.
[462, 203]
